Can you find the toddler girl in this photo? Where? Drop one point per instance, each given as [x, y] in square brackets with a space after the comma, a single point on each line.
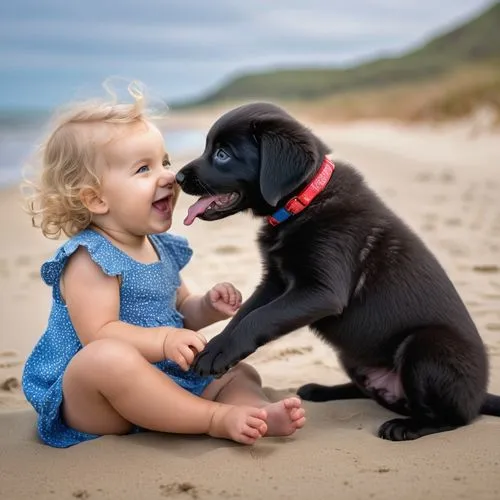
[123, 328]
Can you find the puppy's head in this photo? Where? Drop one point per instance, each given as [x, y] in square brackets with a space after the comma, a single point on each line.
[256, 156]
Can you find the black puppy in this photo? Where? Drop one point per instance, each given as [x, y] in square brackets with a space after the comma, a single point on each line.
[336, 258]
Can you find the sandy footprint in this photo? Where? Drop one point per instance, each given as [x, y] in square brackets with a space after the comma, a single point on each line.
[10, 363]
[10, 384]
[8, 354]
[439, 199]
[472, 304]
[430, 216]
[428, 227]
[34, 275]
[184, 490]
[4, 268]
[447, 177]
[430, 219]
[453, 221]
[23, 260]
[486, 268]
[481, 313]
[469, 194]
[9, 359]
[424, 177]
[227, 250]
[289, 352]
[456, 249]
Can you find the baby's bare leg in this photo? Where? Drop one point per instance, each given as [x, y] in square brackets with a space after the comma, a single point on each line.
[242, 385]
[109, 385]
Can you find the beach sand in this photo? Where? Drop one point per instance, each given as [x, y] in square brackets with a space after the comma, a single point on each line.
[445, 182]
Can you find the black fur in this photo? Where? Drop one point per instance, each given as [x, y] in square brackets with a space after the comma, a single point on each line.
[348, 267]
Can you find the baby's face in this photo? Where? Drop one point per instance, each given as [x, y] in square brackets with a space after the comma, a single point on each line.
[136, 183]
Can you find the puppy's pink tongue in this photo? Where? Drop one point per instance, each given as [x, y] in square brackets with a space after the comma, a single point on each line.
[198, 208]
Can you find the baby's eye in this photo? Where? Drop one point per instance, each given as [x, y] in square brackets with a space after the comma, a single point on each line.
[166, 162]
[142, 169]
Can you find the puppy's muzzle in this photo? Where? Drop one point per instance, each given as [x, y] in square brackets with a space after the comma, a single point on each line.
[180, 178]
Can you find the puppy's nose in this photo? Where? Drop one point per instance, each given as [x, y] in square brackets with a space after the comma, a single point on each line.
[180, 177]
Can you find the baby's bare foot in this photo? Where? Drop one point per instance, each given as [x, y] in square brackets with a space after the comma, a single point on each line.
[243, 424]
[285, 417]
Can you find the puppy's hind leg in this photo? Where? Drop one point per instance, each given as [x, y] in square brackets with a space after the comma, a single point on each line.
[444, 379]
[318, 392]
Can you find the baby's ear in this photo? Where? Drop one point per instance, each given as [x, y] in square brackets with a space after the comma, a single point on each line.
[92, 200]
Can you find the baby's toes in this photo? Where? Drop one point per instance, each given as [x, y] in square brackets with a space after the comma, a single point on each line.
[251, 433]
[247, 439]
[292, 403]
[297, 414]
[257, 425]
[299, 423]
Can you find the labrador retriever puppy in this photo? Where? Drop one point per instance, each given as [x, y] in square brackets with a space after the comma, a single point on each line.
[336, 258]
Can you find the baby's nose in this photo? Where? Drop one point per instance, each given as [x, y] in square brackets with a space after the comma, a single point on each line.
[167, 177]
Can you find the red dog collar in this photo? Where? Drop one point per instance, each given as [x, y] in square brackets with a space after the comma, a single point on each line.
[298, 203]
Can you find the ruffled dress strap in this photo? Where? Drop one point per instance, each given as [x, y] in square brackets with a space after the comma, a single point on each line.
[173, 247]
[110, 259]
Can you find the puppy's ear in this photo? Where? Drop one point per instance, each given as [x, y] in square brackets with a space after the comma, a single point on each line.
[289, 153]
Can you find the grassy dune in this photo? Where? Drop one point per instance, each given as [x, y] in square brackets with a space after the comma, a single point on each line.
[451, 96]
[451, 76]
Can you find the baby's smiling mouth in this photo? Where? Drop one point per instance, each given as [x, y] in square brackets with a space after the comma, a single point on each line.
[163, 204]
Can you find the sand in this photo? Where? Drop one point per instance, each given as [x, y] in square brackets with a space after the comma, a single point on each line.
[445, 182]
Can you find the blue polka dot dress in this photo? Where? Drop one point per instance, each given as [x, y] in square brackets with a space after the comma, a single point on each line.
[147, 299]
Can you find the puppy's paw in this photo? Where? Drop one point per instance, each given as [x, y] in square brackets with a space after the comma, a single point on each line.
[202, 364]
[312, 392]
[215, 359]
[219, 355]
[399, 429]
[406, 429]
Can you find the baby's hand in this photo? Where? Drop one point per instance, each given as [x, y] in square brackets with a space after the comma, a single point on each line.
[224, 298]
[181, 345]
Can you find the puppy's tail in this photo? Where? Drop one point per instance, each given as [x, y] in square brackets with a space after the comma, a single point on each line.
[491, 405]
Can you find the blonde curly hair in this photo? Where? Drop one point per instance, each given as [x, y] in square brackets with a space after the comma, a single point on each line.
[68, 159]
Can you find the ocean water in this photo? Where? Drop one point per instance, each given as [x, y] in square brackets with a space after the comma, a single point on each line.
[18, 144]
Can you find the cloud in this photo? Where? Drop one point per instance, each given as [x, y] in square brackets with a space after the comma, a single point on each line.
[49, 48]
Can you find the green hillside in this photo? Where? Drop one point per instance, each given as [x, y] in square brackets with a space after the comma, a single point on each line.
[477, 41]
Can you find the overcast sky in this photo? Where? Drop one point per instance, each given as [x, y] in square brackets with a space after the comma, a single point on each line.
[55, 50]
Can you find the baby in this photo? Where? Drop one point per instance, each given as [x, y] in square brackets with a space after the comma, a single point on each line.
[123, 327]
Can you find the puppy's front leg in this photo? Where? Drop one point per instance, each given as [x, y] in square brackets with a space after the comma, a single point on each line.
[268, 290]
[292, 310]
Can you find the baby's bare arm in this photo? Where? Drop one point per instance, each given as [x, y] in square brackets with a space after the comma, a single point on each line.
[93, 302]
[196, 309]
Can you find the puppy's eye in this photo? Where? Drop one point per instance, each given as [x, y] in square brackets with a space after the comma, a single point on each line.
[221, 155]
